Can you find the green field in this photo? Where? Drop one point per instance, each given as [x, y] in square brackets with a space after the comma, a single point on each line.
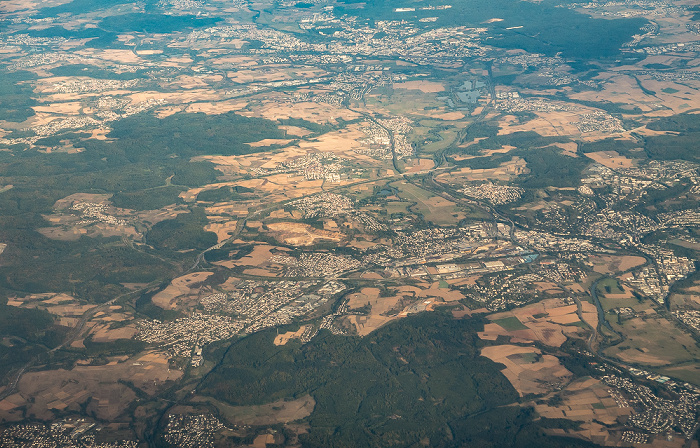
[609, 304]
[653, 341]
[529, 357]
[689, 373]
[397, 207]
[610, 286]
[447, 139]
[439, 215]
[404, 101]
[510, 323]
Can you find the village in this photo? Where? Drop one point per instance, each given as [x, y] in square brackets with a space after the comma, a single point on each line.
[69, 433]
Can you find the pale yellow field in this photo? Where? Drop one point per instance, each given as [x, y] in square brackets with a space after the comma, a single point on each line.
[66, 225]
[103, 333]
[298, 234]
[621, 88]
[70, 230]
[548, 124]
[180, 97]
[611, 264]
[238, 60]
[261, 253]
[111, 55]
[281, 411]
[423, 86]
[151, 217]
[68, 108]
[579, 398]
[18, 5]
[178, 287]
[548, 329]
[164, 112]
[446, 116]
[282, 339]
[238, 209]
[527, 377]
[263, 440]
[380, 305]
[41, 392]
[341, 141]
[218, 107]
[446, 294]
[627, 294]
[548, 287]
[221, 162]
[295, 130]
[367, 324]
[641, 358]
[485, 152]
[100, 133]
[568, 149]
[687, 96]
[81, 197]
[385, 309]
[611, 159]
[269, 142]
[58, 304]
[223, 230]
[506, 171]
[420, 165]
[277, 187]
[316, 112]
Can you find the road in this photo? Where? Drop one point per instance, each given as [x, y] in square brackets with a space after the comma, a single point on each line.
[242, 222]
[72, 336]
[85, 318]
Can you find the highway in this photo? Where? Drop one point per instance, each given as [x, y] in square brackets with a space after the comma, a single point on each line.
[76, 332]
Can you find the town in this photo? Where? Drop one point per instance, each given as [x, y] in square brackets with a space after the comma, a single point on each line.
[420, 166]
